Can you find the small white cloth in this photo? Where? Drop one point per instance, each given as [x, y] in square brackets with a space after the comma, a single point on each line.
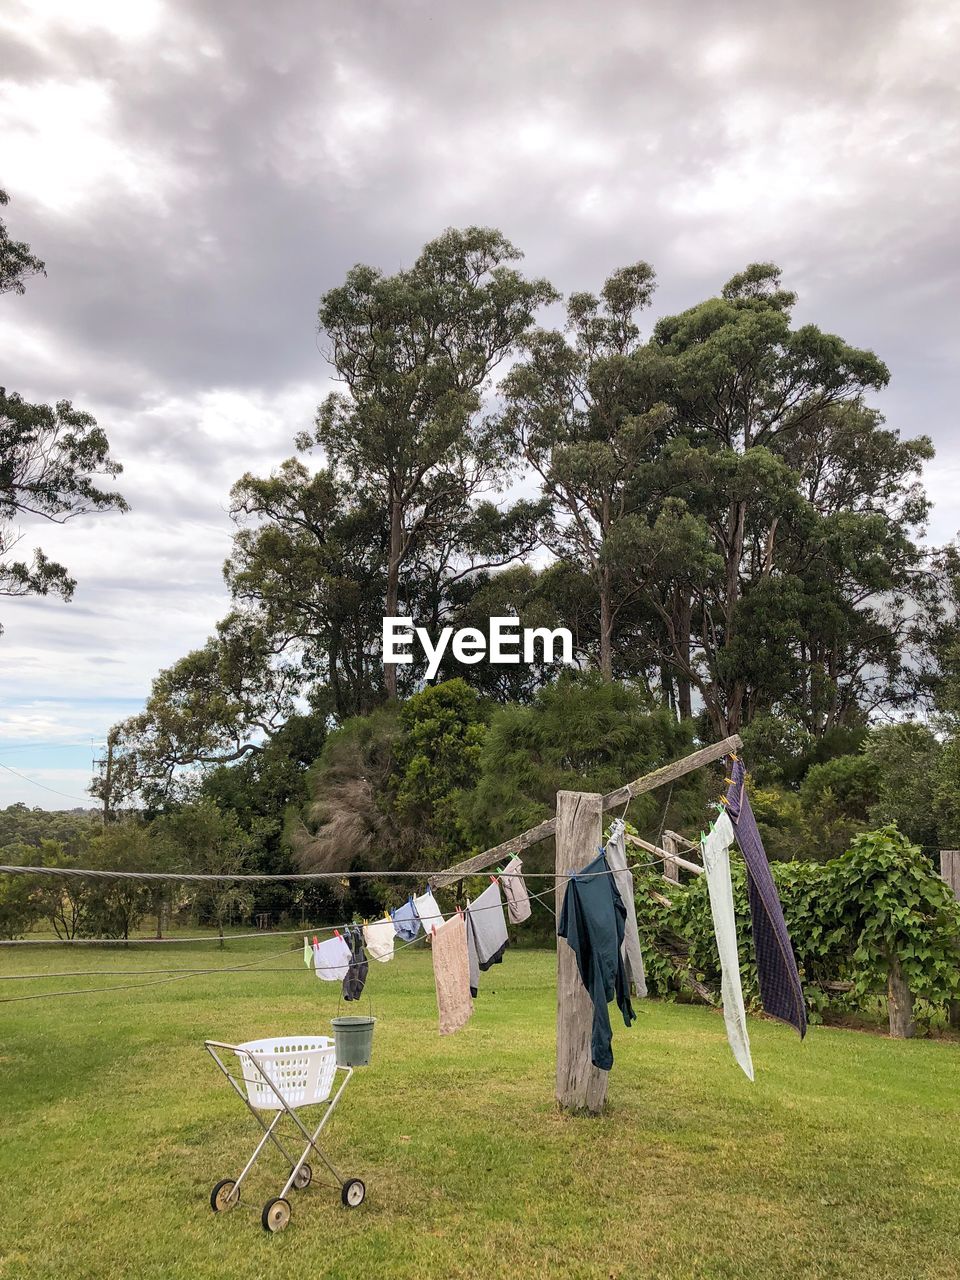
[379, 937]
[716, 863]
[331, 959]
[428, 911]
[307, 953]
[515, 891]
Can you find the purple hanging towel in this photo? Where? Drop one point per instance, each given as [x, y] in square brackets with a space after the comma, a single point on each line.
[780, 991]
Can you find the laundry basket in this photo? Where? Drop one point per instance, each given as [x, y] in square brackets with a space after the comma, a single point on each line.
[301, 1069]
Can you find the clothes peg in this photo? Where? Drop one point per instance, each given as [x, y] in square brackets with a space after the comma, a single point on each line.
[315, 942]
[336, 933]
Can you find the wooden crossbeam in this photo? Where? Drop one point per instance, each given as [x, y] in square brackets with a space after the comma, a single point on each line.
[662, 853]
[544, 830]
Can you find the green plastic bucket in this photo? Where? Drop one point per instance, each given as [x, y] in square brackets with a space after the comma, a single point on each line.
[353, 1037]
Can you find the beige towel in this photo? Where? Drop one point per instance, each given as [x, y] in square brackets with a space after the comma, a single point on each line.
[451, 975]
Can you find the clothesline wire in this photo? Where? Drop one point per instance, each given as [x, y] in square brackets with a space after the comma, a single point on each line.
[186, 973]
[261, 933]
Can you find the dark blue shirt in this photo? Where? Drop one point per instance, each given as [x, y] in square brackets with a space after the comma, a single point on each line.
[592, 921]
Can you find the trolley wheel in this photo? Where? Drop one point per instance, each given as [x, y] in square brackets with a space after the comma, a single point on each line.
[276, 1215]
[352, 1193]
[304, 1177]
[224, 1195]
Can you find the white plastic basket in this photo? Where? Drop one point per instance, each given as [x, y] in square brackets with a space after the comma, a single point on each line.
[301, 1067]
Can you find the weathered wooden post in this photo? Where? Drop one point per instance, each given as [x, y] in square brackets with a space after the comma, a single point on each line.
[670, 845]
[580, 1085]
[950, 874]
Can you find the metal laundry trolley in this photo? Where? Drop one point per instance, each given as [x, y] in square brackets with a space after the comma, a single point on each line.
[282, 1074]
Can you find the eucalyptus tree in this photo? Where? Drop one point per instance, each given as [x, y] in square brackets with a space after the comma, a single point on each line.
[793, 485]
[415, 351]
[585, 410]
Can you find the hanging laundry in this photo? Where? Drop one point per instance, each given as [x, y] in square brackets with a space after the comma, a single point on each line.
[307, 953]
[451, 974]
[487, 933]
[623, 878]
[406, 922]
[379, 939]
[592, 920]
[715, 848]
[356, 974]
[780, 991]
[429, 913]
[473, 964]
[515, 891]
[331, 959]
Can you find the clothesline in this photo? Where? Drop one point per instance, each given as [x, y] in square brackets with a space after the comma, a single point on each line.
[272, 933]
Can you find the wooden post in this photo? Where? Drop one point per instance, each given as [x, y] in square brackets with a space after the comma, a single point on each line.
[950, 874]
[671, 869]
[580, 1085]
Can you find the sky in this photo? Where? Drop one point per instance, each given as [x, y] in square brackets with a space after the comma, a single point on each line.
[195, 175]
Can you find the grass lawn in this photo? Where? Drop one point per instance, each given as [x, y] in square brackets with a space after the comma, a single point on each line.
[842, 1160]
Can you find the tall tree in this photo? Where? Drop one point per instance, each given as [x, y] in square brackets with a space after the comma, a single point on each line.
[773, 444]
[219, 704]
[415, 351]
[587, 413]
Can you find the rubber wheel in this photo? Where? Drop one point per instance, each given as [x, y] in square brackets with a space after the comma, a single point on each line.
[223, 1196]
[276, 1215]
[352, 1193]
[304, 1177]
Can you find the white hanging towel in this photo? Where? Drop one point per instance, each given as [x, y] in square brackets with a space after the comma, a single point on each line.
[307, 953]
[716, 863]
[616, 851]
[331, 959]
[428, 911]
[379, 937]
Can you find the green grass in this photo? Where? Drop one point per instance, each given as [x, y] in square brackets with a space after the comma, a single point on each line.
[843, 1160]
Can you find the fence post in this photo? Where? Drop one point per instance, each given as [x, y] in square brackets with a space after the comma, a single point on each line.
[950, 873]
[580, 1085]
[670, 869]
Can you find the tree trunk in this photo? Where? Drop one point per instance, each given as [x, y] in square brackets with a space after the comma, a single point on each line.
[393, 586]
[684, 689]
[580, 1085]
[606, 626]
[899, 1002]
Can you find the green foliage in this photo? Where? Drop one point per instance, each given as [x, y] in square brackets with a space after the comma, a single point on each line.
[848, 918]
[17, 263]
[580, 733]
[436, 757]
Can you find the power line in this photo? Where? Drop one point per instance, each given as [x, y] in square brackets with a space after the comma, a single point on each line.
[86, 799]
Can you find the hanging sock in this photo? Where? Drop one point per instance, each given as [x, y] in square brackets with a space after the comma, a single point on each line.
[331, 959]
[616, 852]
[428, 912]
[715, 849]
[307, 953]
[356, 974]
[515, 891]
[379, 939]
[451, 974]
[780, 991]
[406, 922]
[592, 921]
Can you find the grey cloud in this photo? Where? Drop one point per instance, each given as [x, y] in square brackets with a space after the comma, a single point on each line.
[288, 141]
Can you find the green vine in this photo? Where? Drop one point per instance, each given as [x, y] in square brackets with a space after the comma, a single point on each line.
[848, 919]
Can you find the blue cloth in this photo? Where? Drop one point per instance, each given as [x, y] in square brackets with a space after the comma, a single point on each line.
[406, 922]
[592, 920]
[780, 991]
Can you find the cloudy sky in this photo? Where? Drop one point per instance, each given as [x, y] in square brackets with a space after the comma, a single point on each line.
[196, 174]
